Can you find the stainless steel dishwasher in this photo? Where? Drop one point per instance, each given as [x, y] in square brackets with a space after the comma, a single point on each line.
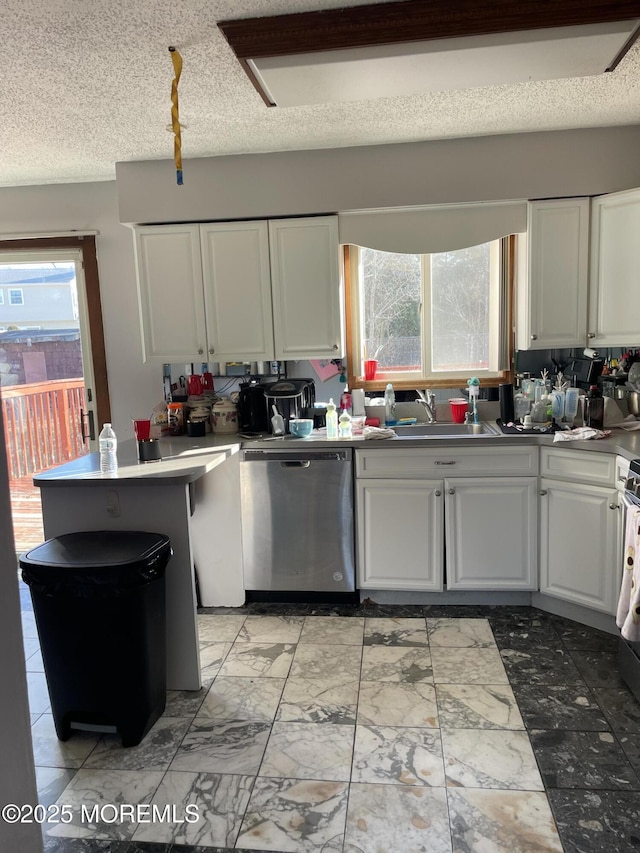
[297, 520]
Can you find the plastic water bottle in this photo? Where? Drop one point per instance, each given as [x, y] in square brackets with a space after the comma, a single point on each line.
[389, 405]
[108, 444]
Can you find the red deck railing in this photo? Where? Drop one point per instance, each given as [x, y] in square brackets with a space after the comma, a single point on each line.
[42, 423]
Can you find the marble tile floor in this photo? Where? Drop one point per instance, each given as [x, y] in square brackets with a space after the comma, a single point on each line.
[365, 730]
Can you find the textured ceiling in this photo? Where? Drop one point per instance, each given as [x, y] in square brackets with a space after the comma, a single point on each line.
[87, 84]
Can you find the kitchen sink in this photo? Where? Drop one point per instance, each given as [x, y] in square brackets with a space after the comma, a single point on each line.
[444, 430]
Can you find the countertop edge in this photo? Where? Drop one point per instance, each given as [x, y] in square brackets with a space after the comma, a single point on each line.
[185, 460]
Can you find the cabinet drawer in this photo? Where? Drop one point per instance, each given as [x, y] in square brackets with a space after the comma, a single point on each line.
[422, 462]
[579, 466]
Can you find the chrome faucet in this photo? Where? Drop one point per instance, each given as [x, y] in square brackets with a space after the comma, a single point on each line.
[428, 400]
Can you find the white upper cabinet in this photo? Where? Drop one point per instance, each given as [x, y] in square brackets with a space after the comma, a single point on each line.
[552, 297]
[614, 302]
[237, 291]
[240, 291]
[305, 282]
[170, 293]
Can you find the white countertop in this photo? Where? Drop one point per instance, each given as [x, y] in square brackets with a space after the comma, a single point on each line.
[185, 459]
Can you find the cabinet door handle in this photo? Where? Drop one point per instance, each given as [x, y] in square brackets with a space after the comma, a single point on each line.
[543, 491]
[336, 347]
[452, 491]
[449, 462]
[200, 350]
[534, 337]
[437, 493]
[591, 334]
[211, 350]
[614, 506]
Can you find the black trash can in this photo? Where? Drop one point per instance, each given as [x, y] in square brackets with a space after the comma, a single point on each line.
[99, 604]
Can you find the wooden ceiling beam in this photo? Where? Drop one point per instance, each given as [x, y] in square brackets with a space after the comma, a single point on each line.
[409, 21]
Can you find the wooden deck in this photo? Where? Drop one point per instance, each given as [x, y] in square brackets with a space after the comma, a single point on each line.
[26, 512]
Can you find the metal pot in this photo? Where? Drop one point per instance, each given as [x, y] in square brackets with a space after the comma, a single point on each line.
[633, 402]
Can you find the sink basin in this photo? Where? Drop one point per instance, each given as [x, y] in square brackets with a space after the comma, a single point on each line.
[446, 430]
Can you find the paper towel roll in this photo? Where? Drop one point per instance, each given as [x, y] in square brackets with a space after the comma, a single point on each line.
[357, 401]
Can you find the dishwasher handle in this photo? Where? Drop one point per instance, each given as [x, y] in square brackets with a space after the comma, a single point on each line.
[297, 456]
[296, 463]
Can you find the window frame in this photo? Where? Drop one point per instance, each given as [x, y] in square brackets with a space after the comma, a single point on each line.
[355, 379]
[13, 290]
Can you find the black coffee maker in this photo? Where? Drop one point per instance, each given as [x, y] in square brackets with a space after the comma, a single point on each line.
[252, 408]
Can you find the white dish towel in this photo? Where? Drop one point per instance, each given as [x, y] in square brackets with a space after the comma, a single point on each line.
[628, 615]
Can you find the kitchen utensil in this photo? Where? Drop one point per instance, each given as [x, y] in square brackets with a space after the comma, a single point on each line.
[149, 451]
[175, 415]
[253, 413]
[507, 414]
[571, 404]
[277, 421]
[301, 427]
[291, 396]
[142, 429]
[633, 403]
[459, 408]
[224, 416]
[194, 385]
[634, 375]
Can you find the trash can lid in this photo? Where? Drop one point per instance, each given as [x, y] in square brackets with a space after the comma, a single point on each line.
[95, 549]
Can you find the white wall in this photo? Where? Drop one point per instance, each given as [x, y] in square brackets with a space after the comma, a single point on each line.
[290, 183]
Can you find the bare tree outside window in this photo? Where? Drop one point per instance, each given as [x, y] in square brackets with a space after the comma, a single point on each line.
[454, 333]
[460, 283]
[392, 292]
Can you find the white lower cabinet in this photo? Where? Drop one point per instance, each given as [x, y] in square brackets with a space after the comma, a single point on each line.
[400, 534]
[491, 533]
[579, 543]
[580, 528]
[484, 526]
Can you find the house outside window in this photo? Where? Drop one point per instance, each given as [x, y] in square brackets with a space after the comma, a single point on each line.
[16, 296]
[1, 297]
[431, 317]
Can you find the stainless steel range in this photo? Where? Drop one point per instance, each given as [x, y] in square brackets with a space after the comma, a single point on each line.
[628, 616]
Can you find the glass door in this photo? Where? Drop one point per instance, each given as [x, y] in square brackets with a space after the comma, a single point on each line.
[46, 372]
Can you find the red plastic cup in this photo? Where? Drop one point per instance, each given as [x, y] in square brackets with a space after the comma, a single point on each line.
[142, 430]
[370, 367]
[459, 408]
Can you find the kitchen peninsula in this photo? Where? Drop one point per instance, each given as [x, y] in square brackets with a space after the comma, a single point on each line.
[191, 495]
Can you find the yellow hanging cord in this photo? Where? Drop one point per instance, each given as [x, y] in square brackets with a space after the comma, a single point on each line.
[175, 122]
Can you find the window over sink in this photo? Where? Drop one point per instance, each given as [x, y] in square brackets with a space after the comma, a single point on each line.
[434, 318]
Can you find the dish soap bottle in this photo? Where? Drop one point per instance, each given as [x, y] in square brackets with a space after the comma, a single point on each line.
[389, 405]
[344, 425]
[332, 420]
[108, 444]
[594, 408]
